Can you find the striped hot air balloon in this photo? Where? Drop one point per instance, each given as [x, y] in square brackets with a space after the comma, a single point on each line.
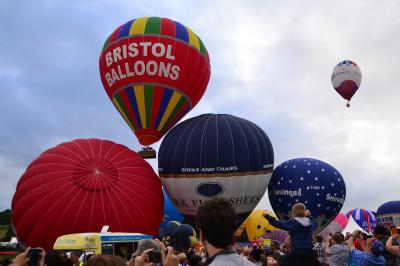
[154, 70]
[365, 219]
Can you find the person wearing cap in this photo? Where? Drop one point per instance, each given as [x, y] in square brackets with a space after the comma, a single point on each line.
[371, 257]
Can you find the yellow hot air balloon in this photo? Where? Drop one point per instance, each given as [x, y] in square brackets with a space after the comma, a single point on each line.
[256, 225]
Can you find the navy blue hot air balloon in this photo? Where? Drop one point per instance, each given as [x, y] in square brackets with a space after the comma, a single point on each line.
[310, 181]
[388, 214]
[215, 155]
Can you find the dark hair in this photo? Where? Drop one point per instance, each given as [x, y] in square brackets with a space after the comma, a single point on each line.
[105, 260]
[380, 230]
[337, 237]
[216, 220]
[56, 258]
[255, 254]
[194, 260]
[319, 238]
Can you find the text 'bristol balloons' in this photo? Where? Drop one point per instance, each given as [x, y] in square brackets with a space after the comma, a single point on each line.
[388, 214]
[310, 181]
[154, 70]
[336, 226]
[346, 79]
[81, 185]
[215, 155]
[365, 219]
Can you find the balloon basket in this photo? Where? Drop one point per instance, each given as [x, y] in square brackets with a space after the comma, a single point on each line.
[348, 104]
[147, 153]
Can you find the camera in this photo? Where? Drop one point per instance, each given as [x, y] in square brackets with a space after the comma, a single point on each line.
[34, 254]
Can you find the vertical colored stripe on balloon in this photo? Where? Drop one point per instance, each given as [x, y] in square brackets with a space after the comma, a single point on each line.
[148, 98]
[168, 27]
[124, 32]
[181, 32]
[157, 96]
[172, 103]
[193, 39]
[106, 43]
[181, 113]
[138, 26]
[125, 99]
[139, 93]
[121, 111]
[180, 103]
[153, 26]
[164, 103]
[134, 105]
[202, 48]
[114, 35]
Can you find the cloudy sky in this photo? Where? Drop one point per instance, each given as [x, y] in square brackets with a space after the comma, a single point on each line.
[271, 63]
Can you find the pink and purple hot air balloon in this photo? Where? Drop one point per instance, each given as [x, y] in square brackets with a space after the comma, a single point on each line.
[337, 225]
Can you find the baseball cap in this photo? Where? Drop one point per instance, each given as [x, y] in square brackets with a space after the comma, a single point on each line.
[377, 248]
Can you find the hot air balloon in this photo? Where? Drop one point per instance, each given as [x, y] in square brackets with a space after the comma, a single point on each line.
[180, 236]
[256, 225]
[388, 214]
[170, 213]
[346, 79]
[215, 155]
[277, 235]
[155, 70]
[310, 181]
[365, 219]
[337, 225]
[81, 185]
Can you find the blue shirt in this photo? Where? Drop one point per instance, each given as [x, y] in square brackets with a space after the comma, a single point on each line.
[366, 259]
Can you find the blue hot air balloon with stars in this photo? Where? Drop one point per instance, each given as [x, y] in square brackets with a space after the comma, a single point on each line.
[310, 181]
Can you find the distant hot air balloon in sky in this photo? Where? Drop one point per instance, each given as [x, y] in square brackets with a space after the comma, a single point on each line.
[365, 219]
[388, 214]
[310, 181]
[154, 70]
[346, 79]
[81, 185]
[215, 155]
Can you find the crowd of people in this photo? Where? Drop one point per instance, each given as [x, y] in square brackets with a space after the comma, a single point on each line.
[216, 223]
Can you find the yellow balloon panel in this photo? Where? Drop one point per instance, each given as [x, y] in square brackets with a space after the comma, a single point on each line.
[257, 225]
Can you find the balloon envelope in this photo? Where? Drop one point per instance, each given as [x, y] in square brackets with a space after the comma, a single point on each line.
[337, 225]
[277, 235]
[346, 78]
[388, 214]
[215, 155]
[81, 185]
[257, 225]
[365, 219]
[310, 181]
[155, 70]
[171, 213]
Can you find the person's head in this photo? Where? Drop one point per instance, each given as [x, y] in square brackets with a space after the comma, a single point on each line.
[74, 256]
[377, 248]
[182, 258]
[216, 221]
[255, 255]
[144, 244]
[380, 232]
[56, 258]
[105, 260]
[336, 238]
[299, 210]
[195, 260]
[319, 238]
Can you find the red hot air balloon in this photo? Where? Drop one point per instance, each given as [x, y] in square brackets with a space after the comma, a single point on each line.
[154, 70]
[346, 79]
[81, 185]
